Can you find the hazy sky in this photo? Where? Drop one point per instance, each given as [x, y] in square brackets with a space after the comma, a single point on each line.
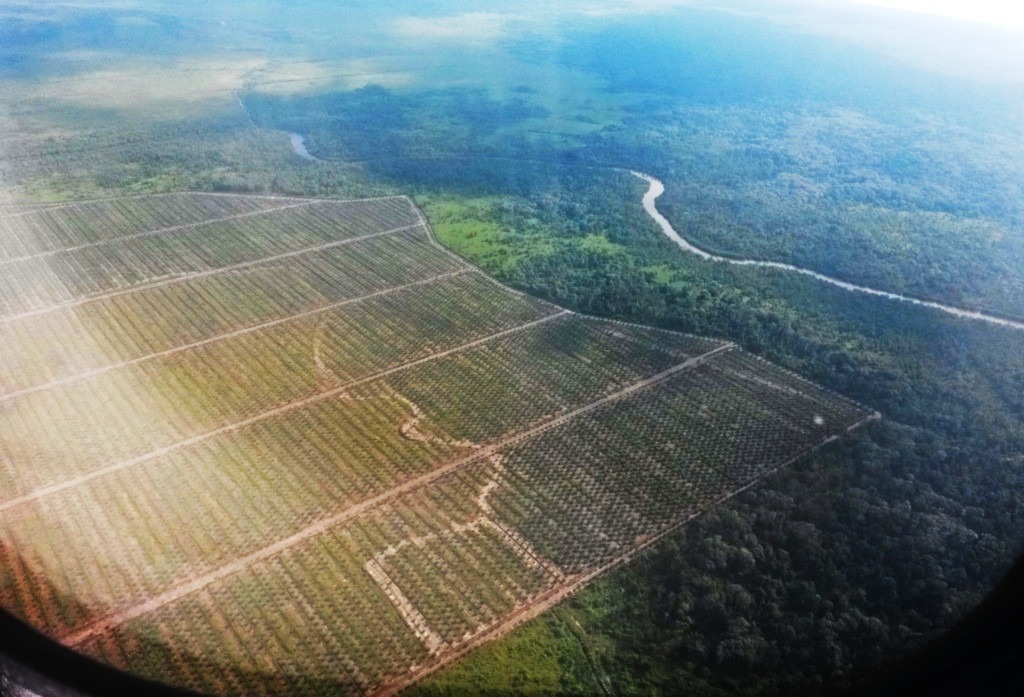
[1006, 13]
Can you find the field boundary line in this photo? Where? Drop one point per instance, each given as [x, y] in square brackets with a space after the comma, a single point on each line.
[184, 278]
[522, 548]
[229, 335]
[432, 237]
[413, 618]
[825, 389]
[277, 411]
[153, 233]
[176, 593]
[16, 209]
[552, 597]
[60, 205]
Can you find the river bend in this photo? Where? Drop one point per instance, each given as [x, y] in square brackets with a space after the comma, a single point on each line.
[656, 189]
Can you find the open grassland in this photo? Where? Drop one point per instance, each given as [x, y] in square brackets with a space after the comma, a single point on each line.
[265, 446]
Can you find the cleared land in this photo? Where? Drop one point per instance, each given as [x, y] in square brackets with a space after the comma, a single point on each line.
[264, 446]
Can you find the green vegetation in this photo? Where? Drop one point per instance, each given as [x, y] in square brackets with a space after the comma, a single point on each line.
[545, 657]
[460, 225]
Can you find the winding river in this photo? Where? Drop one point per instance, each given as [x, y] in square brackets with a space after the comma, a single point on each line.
[656, 189]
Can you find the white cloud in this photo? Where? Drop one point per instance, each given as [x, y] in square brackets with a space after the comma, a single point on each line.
[471, 27]
[622, 7]
[1004, 13]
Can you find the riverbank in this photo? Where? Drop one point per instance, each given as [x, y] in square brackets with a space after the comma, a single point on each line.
[657, 188]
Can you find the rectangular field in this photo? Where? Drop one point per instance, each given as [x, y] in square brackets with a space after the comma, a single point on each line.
[264, 446]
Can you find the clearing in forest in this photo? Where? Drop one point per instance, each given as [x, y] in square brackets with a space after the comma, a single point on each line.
[272, 446]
